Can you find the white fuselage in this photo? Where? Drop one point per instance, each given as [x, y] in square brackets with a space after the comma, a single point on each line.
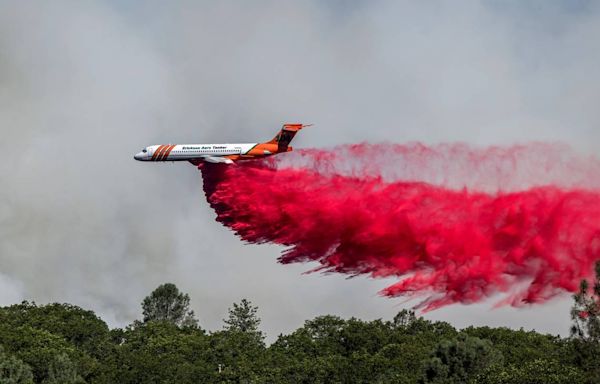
[181, 152]
[222, 153]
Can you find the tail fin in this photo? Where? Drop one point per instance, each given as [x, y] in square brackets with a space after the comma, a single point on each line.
[285, 136]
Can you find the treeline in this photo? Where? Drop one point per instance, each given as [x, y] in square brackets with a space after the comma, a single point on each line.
[62, 343]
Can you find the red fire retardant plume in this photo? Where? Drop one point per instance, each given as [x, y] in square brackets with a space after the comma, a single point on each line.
[445, 244]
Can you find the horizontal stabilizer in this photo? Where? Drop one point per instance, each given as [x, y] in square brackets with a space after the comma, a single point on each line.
[286, 134]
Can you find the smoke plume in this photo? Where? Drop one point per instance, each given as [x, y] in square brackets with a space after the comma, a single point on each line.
[470, 236]
[85, 85]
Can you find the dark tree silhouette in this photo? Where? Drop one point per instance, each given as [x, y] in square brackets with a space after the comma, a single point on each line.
[586, 310]
[243, 318]
[460, 360]
[13, 370]
[166, 303]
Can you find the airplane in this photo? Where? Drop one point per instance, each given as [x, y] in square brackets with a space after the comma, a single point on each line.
[222, 153]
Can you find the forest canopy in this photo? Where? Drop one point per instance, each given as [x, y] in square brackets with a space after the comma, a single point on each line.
[63, 343]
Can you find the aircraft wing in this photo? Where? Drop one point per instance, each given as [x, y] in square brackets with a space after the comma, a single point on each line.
[216, 159]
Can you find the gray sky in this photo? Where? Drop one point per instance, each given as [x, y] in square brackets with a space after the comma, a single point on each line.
[85, 84]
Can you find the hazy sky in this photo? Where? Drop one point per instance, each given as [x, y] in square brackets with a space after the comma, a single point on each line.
[86, 84]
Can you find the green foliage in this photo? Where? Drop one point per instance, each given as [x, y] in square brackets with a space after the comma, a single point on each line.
[404, 319]
[79, 331]
[330, 349]
[518, 346]
[325, 333]
[586, 310]
[61, 343]
[13, 370]
[161, 352]
[38, 348]
[62, 371]
[239, 355]
[583, 354]
[166, 303]
[460, 360]
[537, 371]
[584, 348]
[243, 318]
[239, 350]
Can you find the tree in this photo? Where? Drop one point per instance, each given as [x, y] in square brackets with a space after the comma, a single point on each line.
[585, 332]
[62, 371]
[80, 327]
[238, 356]
[38, 348]
[61, 343]
[325, 332]
[162, 352]
[585, 313]
[166, 303]
[519, 346]
[239, 349]
[243, 318]
[404, 319]
[538, 371]
[460, 360]
[13, 370]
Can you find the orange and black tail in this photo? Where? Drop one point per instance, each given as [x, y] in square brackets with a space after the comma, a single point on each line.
[285, 136]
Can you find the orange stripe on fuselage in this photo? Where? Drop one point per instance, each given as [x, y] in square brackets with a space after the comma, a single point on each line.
[162, 152]
[155, 154]
[167, 151]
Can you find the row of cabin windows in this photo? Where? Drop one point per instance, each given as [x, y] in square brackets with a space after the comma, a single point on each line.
[208, 150]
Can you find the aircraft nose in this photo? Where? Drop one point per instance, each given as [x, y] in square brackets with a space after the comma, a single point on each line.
[138, 156]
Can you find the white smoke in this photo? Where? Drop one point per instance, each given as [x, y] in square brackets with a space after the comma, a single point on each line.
[84, 85]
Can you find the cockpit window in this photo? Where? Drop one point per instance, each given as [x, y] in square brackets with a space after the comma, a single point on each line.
[144, 150]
